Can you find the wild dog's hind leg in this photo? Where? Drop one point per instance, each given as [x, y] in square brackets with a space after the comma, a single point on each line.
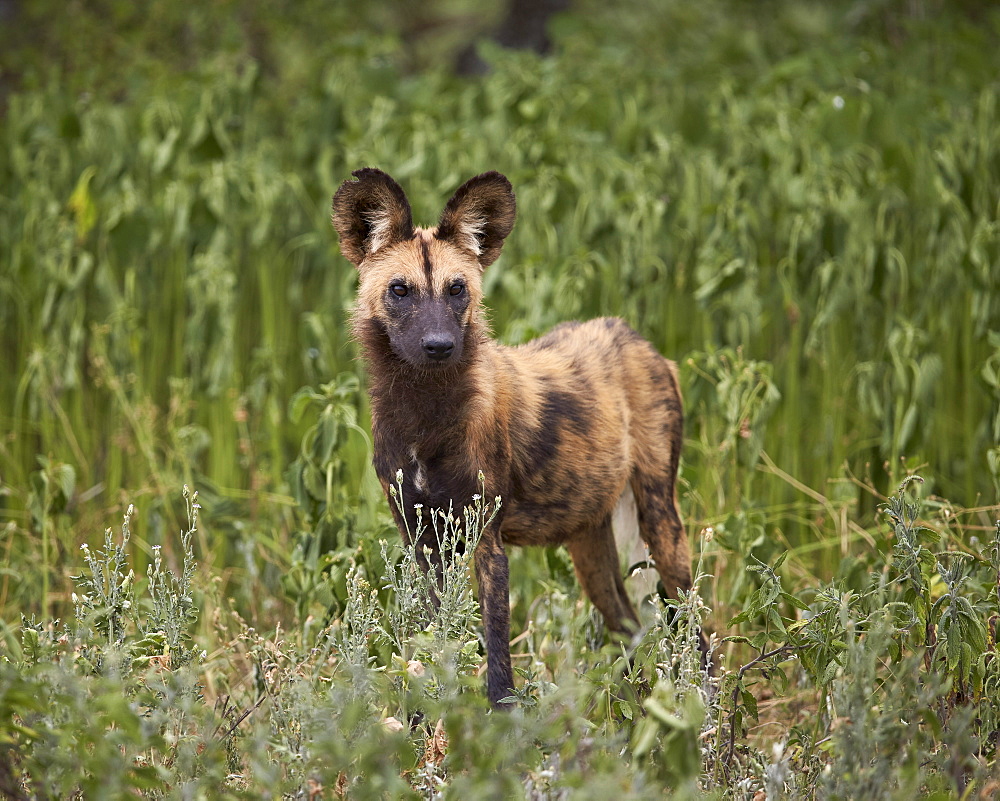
[595, 558]
[661, 528]
[657, 431]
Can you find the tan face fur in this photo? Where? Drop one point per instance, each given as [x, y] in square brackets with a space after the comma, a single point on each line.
[422, 286]
[425, 293]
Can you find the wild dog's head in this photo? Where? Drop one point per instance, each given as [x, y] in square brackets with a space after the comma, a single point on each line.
[422, 287]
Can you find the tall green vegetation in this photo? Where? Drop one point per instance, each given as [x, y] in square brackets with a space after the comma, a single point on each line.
[821, 200]
[797, 201]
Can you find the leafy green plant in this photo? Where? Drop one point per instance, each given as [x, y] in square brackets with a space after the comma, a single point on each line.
[335, 505]
[921, 609]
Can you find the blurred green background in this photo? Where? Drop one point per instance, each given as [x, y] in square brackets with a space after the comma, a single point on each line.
[797, 201]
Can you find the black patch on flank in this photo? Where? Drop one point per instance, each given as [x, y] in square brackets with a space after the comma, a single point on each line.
[560, 411]
[565, 409]
[542, 450]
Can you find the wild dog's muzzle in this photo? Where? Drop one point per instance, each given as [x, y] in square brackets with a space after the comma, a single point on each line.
[438, 347]
[436, 333]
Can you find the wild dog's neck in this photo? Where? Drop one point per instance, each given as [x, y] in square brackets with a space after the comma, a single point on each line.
[405, 396]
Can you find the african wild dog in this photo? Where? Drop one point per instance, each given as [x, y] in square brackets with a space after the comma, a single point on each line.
[559, 426]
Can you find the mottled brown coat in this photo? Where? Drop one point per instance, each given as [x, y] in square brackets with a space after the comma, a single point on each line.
[559, 426]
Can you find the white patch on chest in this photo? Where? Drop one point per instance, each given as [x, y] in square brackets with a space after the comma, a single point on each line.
[420, 477]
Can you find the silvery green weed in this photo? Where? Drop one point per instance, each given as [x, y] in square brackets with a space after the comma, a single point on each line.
[116, 706]
[159, 628]
[675, 735]
[437, 603]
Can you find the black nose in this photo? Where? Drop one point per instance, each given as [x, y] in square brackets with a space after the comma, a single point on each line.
[438, 347]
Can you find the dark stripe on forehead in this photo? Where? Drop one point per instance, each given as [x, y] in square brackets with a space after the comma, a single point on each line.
[427, 260]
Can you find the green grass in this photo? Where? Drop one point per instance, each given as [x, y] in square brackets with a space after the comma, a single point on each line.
[798, 202]
[897, 660]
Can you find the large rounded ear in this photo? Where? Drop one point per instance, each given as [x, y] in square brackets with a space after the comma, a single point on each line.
[479, 216]
[370, 213]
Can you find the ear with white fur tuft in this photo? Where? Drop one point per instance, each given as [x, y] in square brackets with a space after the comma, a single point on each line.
[369, 214]
[479, 216]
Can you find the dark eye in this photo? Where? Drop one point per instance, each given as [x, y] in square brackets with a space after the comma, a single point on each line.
[399, 290]
[456, 289]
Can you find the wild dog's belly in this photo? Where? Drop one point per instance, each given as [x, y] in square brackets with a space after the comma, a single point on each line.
[560, 512]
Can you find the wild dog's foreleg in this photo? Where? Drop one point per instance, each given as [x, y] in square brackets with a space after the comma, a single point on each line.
[415, 532]
[595, 559]
[494, 602]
